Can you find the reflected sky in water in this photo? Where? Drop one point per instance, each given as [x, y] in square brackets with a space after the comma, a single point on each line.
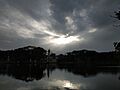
[63, 80]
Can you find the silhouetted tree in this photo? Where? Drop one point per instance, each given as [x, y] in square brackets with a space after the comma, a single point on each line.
[117, 15]
[117, 46]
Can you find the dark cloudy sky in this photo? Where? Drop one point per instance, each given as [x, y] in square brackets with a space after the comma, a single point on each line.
[62, 25]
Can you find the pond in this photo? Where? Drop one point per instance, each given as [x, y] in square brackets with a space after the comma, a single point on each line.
[54, 77]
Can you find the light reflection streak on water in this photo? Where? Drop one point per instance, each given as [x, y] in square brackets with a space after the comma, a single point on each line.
[65, 84]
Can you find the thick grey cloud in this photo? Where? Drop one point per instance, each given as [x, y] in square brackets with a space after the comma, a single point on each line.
[87, 23]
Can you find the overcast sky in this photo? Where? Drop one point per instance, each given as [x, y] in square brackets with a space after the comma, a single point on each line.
[61, 25]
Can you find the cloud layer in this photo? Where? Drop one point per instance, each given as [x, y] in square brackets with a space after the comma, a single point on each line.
[40, 22]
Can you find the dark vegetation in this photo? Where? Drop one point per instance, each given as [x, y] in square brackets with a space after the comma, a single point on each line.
[38, 55]
[29, 54]
[90, 58]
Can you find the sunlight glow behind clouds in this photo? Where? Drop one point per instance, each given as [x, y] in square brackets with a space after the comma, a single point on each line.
[65, 40]
[30, 27]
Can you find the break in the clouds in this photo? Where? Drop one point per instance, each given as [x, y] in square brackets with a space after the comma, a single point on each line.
[62, 25]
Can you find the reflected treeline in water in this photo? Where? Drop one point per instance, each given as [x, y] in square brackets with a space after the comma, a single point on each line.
[90, 71]
[25, 72]
[30, 72]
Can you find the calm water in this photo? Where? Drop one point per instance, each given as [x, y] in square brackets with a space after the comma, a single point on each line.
[52, 77]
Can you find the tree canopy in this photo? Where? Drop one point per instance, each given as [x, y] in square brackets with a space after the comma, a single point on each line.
[117, 44]
[117, 14]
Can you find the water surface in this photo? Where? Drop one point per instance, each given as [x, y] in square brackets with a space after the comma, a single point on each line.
[52, 77]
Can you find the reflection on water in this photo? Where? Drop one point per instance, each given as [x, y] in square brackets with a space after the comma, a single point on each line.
[54, 77]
